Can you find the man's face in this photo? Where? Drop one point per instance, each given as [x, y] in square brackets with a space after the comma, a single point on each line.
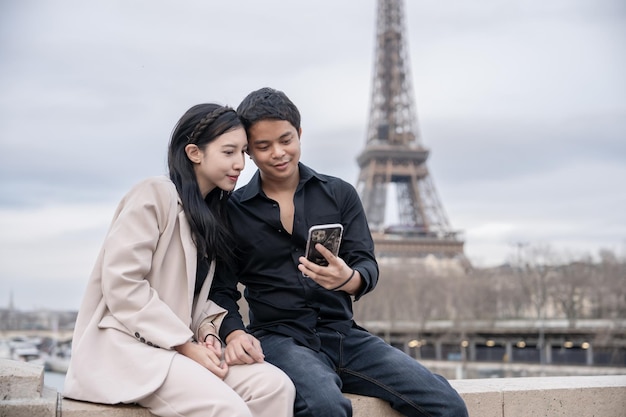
[274, 146]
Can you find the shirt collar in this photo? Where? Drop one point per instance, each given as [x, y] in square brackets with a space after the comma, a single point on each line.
[253, 188]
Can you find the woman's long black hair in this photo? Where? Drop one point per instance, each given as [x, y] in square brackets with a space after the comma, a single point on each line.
[200, 125]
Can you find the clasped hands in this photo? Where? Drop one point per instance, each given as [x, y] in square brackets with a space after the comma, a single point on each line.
[208, 354]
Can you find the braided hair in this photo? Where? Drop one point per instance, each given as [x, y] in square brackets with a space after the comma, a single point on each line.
[200, 125]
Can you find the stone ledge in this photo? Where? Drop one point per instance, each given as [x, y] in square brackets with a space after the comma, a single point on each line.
[43, 406]
[363, 407]
[370, 407]
[545, 396]
[20, 380]
[72, 408]
[494, 397]
[582, 396]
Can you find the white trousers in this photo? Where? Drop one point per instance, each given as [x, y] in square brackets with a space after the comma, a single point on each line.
[190, 390]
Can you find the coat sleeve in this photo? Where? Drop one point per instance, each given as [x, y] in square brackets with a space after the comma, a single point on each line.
[211, 323]
[129, 247]
[207, 316]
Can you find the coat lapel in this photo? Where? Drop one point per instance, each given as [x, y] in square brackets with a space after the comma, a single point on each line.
[191, 256]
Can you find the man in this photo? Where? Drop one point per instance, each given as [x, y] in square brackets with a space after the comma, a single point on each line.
[300, 312]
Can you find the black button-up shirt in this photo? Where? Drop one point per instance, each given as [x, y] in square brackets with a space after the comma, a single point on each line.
[280, 298]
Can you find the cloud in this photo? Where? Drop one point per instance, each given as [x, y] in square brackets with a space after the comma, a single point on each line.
[521, 103]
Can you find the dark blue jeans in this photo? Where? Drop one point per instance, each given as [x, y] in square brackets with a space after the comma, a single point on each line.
[359, 363]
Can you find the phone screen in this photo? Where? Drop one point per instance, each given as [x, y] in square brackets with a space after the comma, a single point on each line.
[328, 235]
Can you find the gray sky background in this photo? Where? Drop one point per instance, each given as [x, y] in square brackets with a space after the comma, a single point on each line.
[522, 103]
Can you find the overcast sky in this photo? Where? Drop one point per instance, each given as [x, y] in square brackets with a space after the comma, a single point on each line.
[521, 102]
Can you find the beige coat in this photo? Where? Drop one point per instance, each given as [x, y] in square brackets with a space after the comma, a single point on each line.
[139, 300]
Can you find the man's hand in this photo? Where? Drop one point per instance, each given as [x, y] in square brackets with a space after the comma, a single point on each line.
[243, 348]
[332, 275]
[205, 356]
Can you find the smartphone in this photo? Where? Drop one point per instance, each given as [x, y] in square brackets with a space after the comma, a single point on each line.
[328, 235]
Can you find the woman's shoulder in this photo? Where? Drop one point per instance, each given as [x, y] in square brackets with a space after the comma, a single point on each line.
[158, 183]
[157, 187]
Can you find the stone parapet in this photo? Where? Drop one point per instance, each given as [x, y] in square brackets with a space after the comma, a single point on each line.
[22, 394]
[581, 396]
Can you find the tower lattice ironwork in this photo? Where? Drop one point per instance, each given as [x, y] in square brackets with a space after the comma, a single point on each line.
[402, 206]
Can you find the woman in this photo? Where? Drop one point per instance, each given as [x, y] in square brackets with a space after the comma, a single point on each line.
[145, 332]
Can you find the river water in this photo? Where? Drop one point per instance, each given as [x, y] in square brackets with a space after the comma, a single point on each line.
[54, 380]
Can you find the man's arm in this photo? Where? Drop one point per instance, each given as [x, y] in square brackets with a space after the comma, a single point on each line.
[224, 293]
[336, 276]
[241, 347]
[357, 248]
[355, 270]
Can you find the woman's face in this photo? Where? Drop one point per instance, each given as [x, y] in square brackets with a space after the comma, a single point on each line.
[220, 162]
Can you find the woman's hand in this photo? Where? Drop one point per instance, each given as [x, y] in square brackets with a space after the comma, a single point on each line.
[205, 356]
[213, 343]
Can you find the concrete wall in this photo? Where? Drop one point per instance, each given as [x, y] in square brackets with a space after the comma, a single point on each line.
[22, 394]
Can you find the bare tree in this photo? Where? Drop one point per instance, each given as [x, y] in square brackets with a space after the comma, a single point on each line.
[572, 289]
[608, 290]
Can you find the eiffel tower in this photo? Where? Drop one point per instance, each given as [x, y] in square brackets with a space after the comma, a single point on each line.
[403, 209]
